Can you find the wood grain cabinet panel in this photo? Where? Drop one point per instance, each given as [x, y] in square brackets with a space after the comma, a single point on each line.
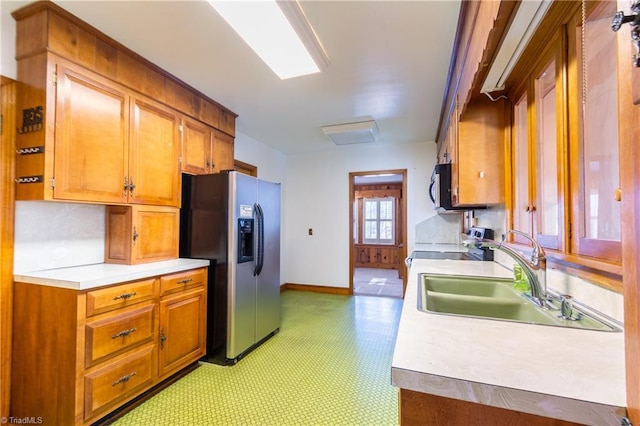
[205, 149]
[109, 145]
[197, 139]
[112, 335]
[182, 330]
[72, 365]
[141, 234]
[182, 281]
[91, 142]
[154, 149]
[119, 296]
[112, 384]
[222, 152]
[478, 163]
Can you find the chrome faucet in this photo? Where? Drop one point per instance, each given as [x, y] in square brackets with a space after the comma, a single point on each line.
[535, 268]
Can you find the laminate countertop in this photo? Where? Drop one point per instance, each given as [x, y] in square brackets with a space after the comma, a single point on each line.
[569, 374]
[102, 274]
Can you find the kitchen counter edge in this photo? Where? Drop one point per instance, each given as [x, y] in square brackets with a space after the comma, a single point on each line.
[86, 277]
[428, 358]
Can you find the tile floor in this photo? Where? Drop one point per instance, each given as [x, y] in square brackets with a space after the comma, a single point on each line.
[330, 364]
[377, 282]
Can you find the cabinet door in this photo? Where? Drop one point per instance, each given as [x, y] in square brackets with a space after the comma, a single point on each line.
[154, 149]
[196, 147]
[548, 135]
[521, 182]
[478, 178]
[91, 138]
[596, 218]
[222, 152]
[182, 330]
[141, 234]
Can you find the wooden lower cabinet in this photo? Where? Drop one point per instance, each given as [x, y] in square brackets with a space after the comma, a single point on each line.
[182, 323]
[79, 355]
[417, 408]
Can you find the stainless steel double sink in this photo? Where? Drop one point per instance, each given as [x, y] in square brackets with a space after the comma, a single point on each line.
[495, 298]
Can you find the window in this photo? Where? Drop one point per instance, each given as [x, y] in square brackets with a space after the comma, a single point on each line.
[378, 220]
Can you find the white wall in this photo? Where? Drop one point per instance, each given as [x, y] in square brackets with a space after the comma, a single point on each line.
[271, 164]
[317, 197]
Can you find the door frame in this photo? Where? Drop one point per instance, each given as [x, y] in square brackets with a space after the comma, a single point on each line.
[403, 218]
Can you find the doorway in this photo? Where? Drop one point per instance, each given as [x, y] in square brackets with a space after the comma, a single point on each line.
[378, 233]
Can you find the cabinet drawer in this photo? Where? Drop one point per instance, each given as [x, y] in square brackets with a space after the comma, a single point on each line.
[118, 333]
[182, 280]
[108, 299]
[117, 381]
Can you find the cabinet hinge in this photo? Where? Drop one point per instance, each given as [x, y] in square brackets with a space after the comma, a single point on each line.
[54, 78]
[180, 128]
[52, 183]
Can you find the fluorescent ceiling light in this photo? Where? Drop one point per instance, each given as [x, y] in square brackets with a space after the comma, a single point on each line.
[279, 32]
[350, 133]
[526, 21]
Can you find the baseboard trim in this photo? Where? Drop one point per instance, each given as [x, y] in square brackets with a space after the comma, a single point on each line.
[315, 288]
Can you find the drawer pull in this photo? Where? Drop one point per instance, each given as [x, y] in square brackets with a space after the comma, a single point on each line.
[124, 333]
[125, 296]
[185, 281]
[123, 379]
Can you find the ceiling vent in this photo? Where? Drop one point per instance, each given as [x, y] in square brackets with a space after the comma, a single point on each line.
[351, 133]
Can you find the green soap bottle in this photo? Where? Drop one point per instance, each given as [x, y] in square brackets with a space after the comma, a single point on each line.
[520, 281]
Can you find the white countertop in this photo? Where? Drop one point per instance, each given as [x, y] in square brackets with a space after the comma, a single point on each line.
[569, 374]
[101, 274]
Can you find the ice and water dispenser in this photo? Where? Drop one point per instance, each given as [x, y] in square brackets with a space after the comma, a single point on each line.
[245, 240]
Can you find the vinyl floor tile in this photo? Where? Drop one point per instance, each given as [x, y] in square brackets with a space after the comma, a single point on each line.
[330, 364]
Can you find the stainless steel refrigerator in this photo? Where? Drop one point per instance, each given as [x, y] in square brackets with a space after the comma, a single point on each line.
[233, 220]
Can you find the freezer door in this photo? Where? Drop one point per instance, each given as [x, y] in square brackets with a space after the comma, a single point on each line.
[242, 294]
[268, 283]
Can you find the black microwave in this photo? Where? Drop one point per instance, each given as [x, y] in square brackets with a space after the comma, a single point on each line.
[440, 187]
[440, 190]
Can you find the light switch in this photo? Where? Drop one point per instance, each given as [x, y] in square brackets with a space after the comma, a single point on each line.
[310, 231]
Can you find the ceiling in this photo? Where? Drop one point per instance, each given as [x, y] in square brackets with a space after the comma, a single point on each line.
[388, 60]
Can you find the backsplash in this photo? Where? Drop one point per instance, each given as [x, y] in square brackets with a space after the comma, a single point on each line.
[55, 235]
[440, 229]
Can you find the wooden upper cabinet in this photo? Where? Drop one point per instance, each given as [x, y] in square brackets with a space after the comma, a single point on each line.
[154, 147]
[222, 152]
[478, 155]
[90, 155]
[112, 147]
[204, 149]
[197, 139]
[100, 124]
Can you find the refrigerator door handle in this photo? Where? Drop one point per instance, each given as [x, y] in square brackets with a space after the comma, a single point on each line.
[260, 239]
